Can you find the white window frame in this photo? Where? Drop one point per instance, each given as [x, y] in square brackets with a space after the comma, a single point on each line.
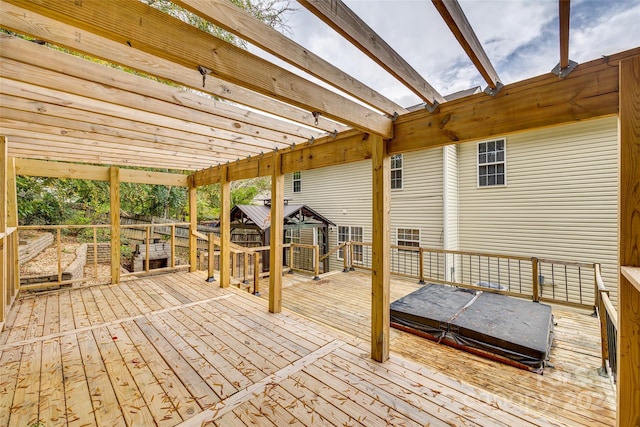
[297, 180]
[357, 250]
[495, 162]
[293, 235]
[407, 240]
[401, 180]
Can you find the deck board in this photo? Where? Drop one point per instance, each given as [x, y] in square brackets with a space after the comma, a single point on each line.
[175, 350]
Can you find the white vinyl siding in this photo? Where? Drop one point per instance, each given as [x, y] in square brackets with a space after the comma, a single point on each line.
[561, 201]
[450, 208]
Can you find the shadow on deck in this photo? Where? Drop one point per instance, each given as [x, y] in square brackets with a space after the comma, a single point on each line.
[175, 350]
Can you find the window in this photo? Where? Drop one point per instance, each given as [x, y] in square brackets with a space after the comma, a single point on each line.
[350, 234]
[492, 163]
[408, 237]
[297, 182]
[292, 235]
[396, 172]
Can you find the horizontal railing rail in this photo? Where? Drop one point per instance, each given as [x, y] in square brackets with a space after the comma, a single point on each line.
[563, 282]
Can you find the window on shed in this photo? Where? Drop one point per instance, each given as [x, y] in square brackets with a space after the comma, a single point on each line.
[396, 172]
[492, 163]
[408, 237]
[297, 182]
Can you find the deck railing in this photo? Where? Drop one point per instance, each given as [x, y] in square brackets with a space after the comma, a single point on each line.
[608, 317]
[9, 264]
[94, 235]
[556, 281]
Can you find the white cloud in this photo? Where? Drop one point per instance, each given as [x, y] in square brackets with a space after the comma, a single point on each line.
[520, 38]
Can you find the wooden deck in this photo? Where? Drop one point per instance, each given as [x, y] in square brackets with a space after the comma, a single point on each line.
[176, 350]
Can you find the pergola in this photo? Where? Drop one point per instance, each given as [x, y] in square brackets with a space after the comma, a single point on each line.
[55, 106]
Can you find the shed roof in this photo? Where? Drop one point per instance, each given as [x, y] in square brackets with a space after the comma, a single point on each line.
[260, 215]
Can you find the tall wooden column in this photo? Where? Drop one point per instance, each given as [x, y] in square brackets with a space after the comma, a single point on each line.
[380, 276]
[225, 227]
[276, 235]
[628, 377]
[12, 221]
[114, 185]
[3, 230]
[193, 226]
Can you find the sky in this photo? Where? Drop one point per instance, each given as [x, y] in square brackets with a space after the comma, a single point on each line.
[520, 37]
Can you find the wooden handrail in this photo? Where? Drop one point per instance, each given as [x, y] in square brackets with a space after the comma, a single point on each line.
[333, 251]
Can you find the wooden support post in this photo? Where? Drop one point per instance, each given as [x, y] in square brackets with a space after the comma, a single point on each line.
[114, 184]
[381, 248]
[628, 378]
[345, 257]
[173, 245]
[234, 264]
[12, 221]
[193, 226]
[225, 227]
[256, 273]
[535, 279]
[245, 260]
[59, 254]
[210, 258]
[147, 248]
[291, 258]
[276, 235]
[4, 243]
[316, 262]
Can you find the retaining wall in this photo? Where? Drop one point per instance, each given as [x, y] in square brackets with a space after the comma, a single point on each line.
[30, 248]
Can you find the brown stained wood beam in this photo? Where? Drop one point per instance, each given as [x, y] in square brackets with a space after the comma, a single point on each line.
[628, 378]
[142, 27]
[344, 21]
[457, 22]
[32, 63]
[30, 167]
[41, 27]
[590, 91]
[228, 16]
[565, 15]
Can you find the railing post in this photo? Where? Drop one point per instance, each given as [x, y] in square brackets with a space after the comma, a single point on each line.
[173, 245]
[290, 258]
[210, 249]
[146, 246]
[59, 248]
[316, 262]
[234, 264]
[345, 255]
[421, 266]
[535, 278]
[245, 260]
[351, 250]
[256, 273]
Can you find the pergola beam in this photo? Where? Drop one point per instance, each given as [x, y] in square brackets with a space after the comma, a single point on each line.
[41, 27]
[29, 62]
[142, 27]
[344, 21]
[457, 22]
[228, 16]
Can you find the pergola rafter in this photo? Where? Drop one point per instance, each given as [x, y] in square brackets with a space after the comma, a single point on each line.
[457, 22]
[343, 20]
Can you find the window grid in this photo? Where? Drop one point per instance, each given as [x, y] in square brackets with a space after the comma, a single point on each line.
[408, 237]
[396, 172]
[354, 234]
[492, 163]
[297, 182]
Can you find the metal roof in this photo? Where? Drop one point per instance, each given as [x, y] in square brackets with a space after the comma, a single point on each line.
[260, 215]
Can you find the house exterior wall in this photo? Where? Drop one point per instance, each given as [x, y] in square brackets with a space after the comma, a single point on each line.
[560, 200]
[343, 195]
